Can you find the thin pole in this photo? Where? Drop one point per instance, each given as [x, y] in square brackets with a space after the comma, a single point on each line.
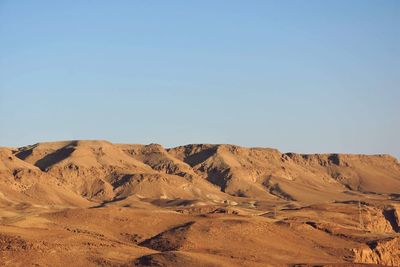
[360, 215]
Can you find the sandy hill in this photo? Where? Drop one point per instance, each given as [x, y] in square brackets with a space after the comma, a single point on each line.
[22, 181]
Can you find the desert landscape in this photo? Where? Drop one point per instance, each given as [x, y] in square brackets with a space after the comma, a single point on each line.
[199, 133]
[95, 203]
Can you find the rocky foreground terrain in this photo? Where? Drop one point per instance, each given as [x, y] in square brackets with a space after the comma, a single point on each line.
[94, 203]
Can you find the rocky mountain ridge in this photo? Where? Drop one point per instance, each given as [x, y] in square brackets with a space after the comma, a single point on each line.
[101, 171]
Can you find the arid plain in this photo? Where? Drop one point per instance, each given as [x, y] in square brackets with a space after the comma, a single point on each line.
[94, 203]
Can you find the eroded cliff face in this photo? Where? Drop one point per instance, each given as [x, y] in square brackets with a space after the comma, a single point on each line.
[383, 252]
[380, 220]
[366, 173]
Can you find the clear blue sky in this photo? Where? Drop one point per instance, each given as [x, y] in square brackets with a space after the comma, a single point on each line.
[304, 76]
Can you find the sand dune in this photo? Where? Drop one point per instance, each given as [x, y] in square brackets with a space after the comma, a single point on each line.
[94, 203]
